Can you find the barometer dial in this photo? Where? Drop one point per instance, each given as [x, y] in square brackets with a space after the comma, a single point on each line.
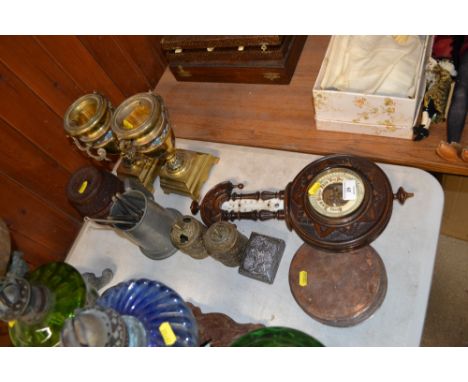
[336, 192]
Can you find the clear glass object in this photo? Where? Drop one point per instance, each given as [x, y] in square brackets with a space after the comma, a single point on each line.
[167, 319]
[43, 300]
[276, 336]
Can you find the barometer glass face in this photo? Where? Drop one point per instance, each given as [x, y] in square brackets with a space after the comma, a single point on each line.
[336, 192]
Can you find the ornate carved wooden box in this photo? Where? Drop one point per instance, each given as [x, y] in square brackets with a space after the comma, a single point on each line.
[243, 59]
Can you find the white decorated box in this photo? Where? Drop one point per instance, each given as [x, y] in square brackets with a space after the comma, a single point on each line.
[373, 114]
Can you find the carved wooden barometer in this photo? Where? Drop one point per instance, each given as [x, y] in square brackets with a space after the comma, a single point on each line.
[340, 202]
[337, 203]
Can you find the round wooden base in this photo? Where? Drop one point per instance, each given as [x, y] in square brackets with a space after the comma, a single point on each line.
[338, 289]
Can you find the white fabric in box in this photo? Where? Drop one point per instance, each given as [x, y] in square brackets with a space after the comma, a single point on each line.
[369, 113]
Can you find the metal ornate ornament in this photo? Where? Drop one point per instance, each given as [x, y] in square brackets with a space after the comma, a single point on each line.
[95, 326]
[142, 125]
[88, 122]
[141, 122]
[225, 243]
[187, 235]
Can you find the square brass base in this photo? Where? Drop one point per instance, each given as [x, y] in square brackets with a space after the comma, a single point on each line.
[144, 169]
[190, 177]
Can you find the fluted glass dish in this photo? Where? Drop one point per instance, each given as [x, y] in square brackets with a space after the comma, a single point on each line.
[67, 293]
[276, 336]
[157, 307]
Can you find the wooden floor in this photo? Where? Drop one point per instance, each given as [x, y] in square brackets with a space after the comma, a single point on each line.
[282, 117]
[447, 314]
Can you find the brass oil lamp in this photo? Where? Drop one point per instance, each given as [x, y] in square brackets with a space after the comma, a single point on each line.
[142, 126]
[88, 122]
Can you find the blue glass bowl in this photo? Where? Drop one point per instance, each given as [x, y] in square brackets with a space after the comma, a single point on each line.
[153, 303]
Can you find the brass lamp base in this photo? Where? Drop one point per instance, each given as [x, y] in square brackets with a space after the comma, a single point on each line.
[144, 169]
[187, 173]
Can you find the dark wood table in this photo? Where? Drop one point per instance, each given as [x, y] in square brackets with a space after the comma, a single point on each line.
[282, 117]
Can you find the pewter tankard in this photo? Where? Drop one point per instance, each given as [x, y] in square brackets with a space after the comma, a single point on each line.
[151, 231]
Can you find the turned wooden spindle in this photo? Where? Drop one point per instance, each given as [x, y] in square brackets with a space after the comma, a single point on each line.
[253, 215]
[264, 195]
[253, 195]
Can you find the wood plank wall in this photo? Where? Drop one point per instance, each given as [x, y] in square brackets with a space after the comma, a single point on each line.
[40, 76]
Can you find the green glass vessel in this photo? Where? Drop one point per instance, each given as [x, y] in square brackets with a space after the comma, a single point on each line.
[276, 336]
[55, 291]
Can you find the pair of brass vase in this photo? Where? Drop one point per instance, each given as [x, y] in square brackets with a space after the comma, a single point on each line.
[139, 131]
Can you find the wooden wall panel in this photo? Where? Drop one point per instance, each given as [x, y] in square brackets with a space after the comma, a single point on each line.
[31, 115]
[40, 76]
[117, 63]
[26, 163]
[146, 52]
[80, 64]
[37, 69]
[27, 212]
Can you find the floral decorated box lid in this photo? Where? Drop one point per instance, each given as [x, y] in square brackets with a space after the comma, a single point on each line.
[369, 113]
